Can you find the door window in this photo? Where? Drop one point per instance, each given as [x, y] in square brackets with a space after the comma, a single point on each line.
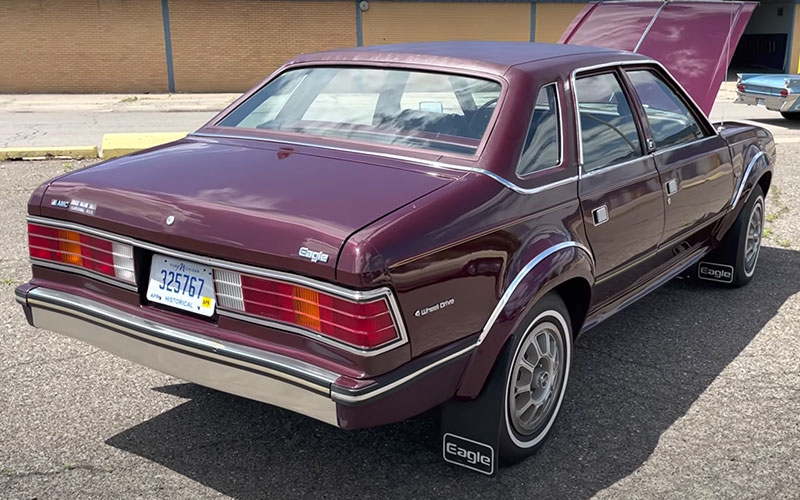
[670, 120]
[541, 148]
[608, 129]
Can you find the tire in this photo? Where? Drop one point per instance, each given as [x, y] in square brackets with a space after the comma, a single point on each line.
[741, 246]
[791, 115]
[546, 332]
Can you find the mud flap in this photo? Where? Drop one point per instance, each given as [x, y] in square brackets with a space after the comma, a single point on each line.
[470, 429]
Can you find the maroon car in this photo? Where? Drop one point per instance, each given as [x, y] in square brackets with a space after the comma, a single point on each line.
[371, 233]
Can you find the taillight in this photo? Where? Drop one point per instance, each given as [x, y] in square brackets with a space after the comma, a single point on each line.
[784, 92]
[740, 87]
[81, 250]
[361, 324]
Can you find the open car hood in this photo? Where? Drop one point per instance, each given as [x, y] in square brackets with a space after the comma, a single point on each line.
[695, 41]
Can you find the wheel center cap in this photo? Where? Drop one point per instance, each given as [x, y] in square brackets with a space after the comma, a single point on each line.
[543, 380]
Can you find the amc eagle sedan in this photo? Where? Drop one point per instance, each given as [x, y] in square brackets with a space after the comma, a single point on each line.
[372, 233]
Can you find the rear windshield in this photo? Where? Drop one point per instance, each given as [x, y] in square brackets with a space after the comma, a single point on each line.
[440, 112]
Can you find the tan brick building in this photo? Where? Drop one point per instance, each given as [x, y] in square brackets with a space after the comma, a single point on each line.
[229, 46]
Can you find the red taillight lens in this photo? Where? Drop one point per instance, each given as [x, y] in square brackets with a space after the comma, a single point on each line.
[784, 92]
[740, 87]
[81, 250]
[365, 325]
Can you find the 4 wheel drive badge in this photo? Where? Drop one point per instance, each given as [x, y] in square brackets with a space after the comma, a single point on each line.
[435, 307]
[715, 272]
[170, 220]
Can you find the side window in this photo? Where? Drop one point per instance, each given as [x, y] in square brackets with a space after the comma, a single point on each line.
[608, 130]
[541, 148]
[670, 120]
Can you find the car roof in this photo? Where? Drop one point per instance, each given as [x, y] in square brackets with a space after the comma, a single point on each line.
[491, 57]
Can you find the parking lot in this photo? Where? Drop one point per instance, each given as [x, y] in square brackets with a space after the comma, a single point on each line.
[693, 392]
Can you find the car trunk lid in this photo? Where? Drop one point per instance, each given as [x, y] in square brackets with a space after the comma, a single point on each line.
[253, 203]
[695, 41]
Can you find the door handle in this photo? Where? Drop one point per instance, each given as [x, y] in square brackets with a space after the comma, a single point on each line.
[671, 187]
[600, 215]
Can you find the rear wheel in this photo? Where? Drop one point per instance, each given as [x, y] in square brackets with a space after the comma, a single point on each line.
[740, 248]
[536, 379]
[791, 115]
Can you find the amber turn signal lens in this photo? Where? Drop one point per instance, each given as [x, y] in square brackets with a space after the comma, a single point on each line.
[306, 308]
[70, 246]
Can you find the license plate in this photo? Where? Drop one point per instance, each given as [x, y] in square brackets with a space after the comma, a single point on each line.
[760, 103]
[182, 285]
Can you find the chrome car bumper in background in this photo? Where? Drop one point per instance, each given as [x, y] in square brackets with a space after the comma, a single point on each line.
[769, 101]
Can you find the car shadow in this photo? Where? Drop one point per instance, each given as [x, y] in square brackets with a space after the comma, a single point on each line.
[633, 377]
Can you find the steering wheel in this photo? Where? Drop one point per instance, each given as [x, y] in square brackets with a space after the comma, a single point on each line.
[478, 112]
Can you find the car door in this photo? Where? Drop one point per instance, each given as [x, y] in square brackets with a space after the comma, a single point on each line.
[619, 188]
[693, 160]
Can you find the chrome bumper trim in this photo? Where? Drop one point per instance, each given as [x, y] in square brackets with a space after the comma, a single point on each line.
[771, 102]
[251, 373]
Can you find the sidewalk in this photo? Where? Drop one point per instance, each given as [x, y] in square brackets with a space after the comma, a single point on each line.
[58, 121]
[31, 103]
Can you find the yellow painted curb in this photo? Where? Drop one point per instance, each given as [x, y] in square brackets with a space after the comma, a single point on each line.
[48, 152]
[115, 145]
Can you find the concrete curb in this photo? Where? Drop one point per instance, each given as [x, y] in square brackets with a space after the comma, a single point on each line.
[115, 145]
[34, 153]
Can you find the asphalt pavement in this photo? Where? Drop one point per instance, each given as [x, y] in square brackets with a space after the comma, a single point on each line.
[693, 392]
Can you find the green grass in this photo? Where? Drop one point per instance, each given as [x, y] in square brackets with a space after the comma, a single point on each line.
[767, 233]
[784, 243]
[132, 98]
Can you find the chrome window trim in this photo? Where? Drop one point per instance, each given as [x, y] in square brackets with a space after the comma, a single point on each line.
[354, 295]
[83, 272]
[676, 146]
[743, 180]
[428, 163]
[620, 64]
[560, 118]
[521, 275]
[602, 170]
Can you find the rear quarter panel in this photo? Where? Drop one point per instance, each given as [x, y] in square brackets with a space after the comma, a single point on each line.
[451, 258]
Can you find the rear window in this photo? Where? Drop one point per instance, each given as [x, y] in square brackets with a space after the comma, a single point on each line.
[435, 111]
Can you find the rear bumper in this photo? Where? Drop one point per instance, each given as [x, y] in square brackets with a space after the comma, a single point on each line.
[771, 102]
[244, 371]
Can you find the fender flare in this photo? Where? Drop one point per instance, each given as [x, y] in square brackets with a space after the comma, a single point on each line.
[757, 166]
[550, 268]
[758, 163]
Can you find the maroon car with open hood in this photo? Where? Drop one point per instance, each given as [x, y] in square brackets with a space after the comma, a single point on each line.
[371, 233]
